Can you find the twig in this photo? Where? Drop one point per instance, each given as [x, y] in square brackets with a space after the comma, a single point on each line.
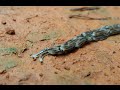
[85, 8]
[31, 18]
[88, 18]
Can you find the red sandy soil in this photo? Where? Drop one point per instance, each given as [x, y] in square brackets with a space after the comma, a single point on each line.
[42, 26]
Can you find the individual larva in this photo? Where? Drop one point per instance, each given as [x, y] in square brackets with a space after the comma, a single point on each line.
[78, 41]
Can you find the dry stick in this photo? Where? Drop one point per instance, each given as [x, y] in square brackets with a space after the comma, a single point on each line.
[88, 18]
[85, 8]
[31, 17]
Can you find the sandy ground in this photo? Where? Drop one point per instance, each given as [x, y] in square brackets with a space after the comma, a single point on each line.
[39, 27]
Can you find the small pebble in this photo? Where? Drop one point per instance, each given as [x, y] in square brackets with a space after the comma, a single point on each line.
[20, 56]
[3, 71]
[7, 76]
[3, 22]
[14, 20]
[114, 52]
[32, 67]
[41, 75]
[63, 62]
[10, 31]
[118, 66]
[56, 72]
[89, 73]
[67, 68]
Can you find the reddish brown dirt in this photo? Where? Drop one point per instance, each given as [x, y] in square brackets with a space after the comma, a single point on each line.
[39, 27]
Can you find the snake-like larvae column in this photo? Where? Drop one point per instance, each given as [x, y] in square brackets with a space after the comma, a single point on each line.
[80, 40]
